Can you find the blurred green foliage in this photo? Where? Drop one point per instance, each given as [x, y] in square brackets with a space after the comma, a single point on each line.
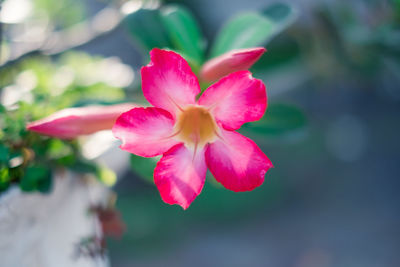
[173, 26]
[184, 32]
[255, 29]
[244, 30]
[38, 87]
[36, 178]
[145, 26]
[352, 41]
[279, 119]
[143, 167]
[152, 225]
[61, 14]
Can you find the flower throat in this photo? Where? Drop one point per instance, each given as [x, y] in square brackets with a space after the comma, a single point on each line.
[196, 126]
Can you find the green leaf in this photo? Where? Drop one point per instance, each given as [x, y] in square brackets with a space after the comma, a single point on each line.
[253, 29]
[144, 167]
[146, 28]
[243, 31]
[36, 178]
[283, 52]
[68, 161]
[281, 14]
[4, 153]
[57, 149]
[278, 119]
[183, 31]
[4, 179]
[45, 184]
[83, 166]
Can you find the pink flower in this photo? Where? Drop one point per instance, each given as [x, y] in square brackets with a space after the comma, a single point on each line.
[193, 135]
[73, 122]
[234, 60]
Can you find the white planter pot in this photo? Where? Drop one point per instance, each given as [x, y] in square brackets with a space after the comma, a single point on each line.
[38, 230]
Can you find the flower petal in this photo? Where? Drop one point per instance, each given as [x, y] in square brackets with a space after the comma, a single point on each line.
[180, 175]
[236, 99]
[145, 131]
[71, 122]
[168, 82]
[237, 162]
[234, 60]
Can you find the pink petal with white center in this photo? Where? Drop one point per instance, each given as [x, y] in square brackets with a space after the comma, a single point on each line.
[180, 175]
[234, 60]
[236, 99]
[168, 82]
[237, 162]
[72, 122]
[145, 131]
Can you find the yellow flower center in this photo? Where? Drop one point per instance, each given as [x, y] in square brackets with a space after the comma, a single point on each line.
[196, 126]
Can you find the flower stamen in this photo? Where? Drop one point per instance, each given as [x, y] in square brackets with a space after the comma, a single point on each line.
[196, 126]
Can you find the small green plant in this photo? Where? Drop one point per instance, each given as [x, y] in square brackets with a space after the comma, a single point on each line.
[33, 89]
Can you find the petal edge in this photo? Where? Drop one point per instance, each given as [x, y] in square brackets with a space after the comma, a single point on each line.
[145, 132]
[180, 175]
[237, 162]
[168, 82]
[236, 99]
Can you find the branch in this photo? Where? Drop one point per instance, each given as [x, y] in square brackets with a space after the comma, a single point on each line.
[85, 32]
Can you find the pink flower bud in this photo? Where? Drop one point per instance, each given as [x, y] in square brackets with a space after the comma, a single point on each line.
[73, 122]
[234, 60]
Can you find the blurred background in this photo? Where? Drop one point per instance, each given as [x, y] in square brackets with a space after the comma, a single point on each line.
[332, 127]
